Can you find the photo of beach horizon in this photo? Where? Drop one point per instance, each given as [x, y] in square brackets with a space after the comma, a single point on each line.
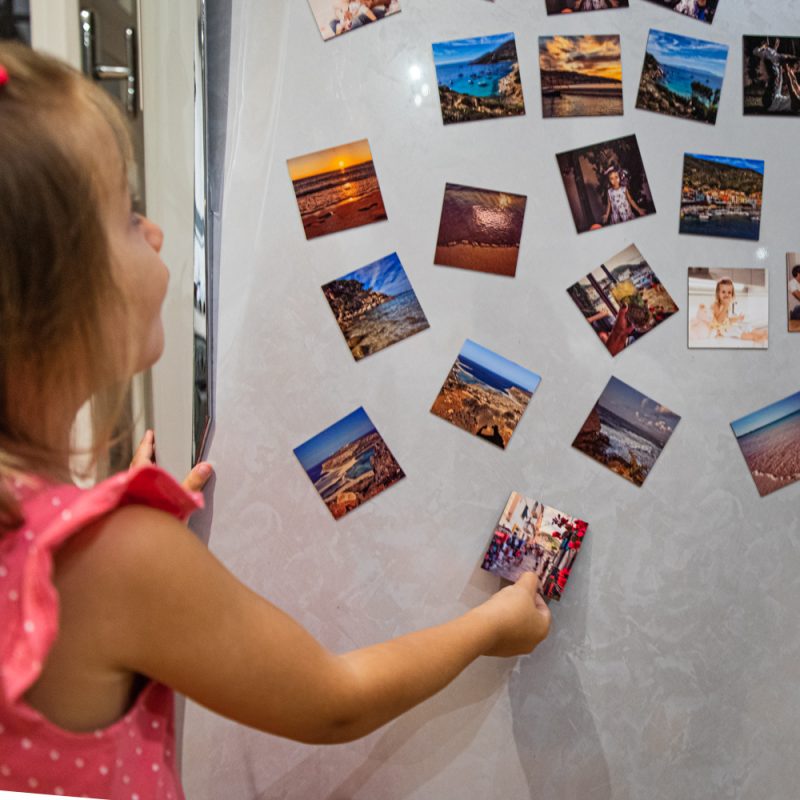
[622, 300]
[770, 442]
[702, 10]
[573, 6]
[375, 306]
[480, 230]
[337, 189]
[626, 431]
[533, 537]
[485, 394]
[348, 463]
[682, 76]
[478, 78]
[721, 196]
[581, 76]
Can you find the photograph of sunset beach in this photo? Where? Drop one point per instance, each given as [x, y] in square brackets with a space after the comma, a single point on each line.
[349, 463]
[770, 443]
[480, 229]
[581, 76]
[485, 394]
[337, 189]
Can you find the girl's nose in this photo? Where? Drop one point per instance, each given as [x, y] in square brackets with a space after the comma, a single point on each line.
[153, 234]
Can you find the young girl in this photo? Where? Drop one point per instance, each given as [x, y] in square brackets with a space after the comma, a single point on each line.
[106, 599]
[619, 203]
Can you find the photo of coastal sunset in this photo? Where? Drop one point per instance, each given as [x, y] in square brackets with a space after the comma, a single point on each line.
[682, 76]
[375, 306]
[533, 537]
[349, 463]
[335, 17]
[480, 229]
[478, 78]
[485, 394]
[337, 189]
[581, 76]
[702, 10]
[721, 196]
[626, 431]
[622, 300]
[770, 443]
[571, 6]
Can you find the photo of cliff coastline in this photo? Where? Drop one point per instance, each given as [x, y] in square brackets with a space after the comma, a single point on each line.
[622, 300]
[770, 442]
[702, 10]
[533, 537]
[771, 75]
[478, 78]
[337, 189]
[572, 6]
[626, 431]
[721, 196]
[480, 229]
[682, 76]
[375, 306]
[485, 394]
[581, 76]
[335, 17]
[349, 463]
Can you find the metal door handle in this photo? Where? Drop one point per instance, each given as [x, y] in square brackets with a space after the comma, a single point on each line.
[104, 72]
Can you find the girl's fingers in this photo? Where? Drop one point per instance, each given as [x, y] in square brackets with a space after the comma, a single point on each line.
[145, 452]
[198, 477]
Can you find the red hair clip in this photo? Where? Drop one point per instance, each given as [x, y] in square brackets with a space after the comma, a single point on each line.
[3, 75]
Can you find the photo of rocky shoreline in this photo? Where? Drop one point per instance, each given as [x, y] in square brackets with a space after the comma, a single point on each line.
[478, 78]
[349, 463]
[375, 306]
[485, 394]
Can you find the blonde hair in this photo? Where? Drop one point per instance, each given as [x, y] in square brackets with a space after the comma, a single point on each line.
[724, 282]
[56, 280]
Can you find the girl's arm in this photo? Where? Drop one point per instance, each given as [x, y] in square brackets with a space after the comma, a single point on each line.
[633, 204]
[608, 209]
[155, 601]
[368, 11]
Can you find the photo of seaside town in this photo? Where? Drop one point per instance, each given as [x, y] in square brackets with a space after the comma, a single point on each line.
[480, 229]
[682, 76]
[335, 17]
[771, 70]
[349, 463]
[337, 189]
[793, 291]
[626, 431]
[375, 306]
[581, 76]
[606, 183]
[622, 300]
[478, 78]
[770, 443]
[721, 196]
[532, 537]
[485, 394]
[702, 10]
[571, 6]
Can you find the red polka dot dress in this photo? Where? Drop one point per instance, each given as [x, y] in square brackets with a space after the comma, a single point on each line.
[132, 759]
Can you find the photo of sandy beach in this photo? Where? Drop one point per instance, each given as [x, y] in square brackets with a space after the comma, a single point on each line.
[793, 291]
[702, 10]
[375, 306]
[572, 6]
[337, 189]
[349, 463]
[721, 196]
[533, 537]
[728, 308]
[626, 431]
[335, 17]
[770, 443]
[682, 76]
[485, 394]
[771, 75]
[606, 183]
[581, 76]
[622, 300]
[478, 78]
[480, 229]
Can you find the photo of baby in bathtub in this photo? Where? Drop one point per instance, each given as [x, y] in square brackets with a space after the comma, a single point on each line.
[728, 308]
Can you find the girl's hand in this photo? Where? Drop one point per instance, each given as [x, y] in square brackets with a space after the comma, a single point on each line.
[146, 454]
[519, 616]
